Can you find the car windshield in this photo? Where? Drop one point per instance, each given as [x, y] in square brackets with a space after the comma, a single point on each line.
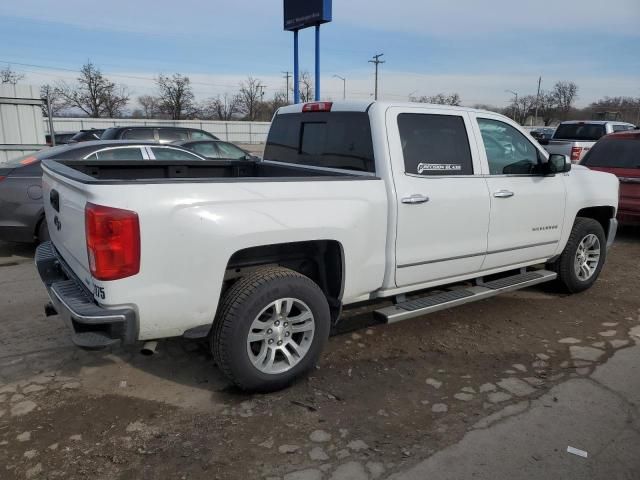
[84, 136]
[622, 152]
[580, 131]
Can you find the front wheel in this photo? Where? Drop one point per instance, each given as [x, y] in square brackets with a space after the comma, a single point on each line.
[270, 329]
[583, 257]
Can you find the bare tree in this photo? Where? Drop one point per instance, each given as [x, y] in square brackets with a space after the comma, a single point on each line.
[306, 87]
[94, 93]
[524, 107]
[7, 75]
[175, 95]
[150, 106]
[487, 107]
[222, 108]
[250, 98]
[115, 100]
[626, 109]
[272, 106]
[565, 93]
[439, 99]
[54, 96]
[547, 107]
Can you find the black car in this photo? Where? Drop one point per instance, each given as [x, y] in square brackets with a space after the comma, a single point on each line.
[87, 135]
[156, 134]
[21, 209]
[543, 134]
[217, 149]
[61, 138]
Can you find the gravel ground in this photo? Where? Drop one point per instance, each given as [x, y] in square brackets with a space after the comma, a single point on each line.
[383, 398]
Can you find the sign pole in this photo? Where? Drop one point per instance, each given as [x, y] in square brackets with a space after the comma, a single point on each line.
[317, 98]
[296, 69]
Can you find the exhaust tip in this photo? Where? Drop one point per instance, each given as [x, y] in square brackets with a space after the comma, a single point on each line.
[149, 348]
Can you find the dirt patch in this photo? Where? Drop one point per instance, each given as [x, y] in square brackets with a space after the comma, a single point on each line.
[382, 397]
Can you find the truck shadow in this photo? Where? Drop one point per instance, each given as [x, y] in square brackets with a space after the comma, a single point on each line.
[10, 250]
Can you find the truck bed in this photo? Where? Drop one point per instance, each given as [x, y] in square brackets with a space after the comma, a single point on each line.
[156, 171]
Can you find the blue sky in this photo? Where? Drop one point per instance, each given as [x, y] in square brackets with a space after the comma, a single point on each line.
[478, 49]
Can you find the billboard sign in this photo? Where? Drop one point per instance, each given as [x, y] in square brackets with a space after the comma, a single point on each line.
[299, 14]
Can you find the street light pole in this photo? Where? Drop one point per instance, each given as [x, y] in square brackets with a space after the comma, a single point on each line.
[344, 86]
[538, 98]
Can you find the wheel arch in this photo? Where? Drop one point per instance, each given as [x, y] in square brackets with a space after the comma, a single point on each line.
[602, 214]
[320, 260]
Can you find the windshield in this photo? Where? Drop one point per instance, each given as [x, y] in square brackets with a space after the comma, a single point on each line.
[580, 131]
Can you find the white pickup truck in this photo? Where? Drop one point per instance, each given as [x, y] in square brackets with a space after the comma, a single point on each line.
[576, 137]
[429, 206]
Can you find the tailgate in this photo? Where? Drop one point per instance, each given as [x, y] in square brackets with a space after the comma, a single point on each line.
[64, 202]
[560, 147]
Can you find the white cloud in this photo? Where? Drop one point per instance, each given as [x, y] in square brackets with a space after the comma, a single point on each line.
[464, 17]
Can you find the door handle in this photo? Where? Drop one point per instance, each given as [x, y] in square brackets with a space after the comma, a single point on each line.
[503, 194]
[415, 199]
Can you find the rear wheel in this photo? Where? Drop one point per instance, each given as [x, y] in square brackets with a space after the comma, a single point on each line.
[43, 231]
[271, 328]
[582, 259]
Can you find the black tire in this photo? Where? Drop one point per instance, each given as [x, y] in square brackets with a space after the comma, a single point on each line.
[242, 303]
[564, 266]
[43, 231]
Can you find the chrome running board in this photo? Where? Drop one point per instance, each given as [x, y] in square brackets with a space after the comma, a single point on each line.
[452, 298]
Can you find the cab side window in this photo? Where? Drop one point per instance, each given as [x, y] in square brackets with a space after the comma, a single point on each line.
[508, 151]
[434, 145]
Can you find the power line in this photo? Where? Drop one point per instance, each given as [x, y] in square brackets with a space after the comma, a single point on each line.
[376, 60]
[118, 75]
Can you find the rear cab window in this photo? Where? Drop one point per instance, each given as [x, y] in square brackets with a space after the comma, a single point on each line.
[615, 152]
[340, 140]
[588, 132]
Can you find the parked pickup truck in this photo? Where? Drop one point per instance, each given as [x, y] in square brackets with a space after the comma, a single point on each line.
[429, 206]
[575, 138]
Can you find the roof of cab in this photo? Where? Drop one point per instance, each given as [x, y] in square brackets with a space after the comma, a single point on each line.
[599, 122]
[635, 134]
[364, 105]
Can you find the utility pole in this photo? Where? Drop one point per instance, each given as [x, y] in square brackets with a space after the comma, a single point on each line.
[261, 88]
[376, 61]
[287, 75]
[538, 97]
[344, 86]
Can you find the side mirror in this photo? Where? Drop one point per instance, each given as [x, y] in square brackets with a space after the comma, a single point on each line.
[558, 164]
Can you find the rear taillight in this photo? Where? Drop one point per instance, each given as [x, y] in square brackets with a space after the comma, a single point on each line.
[113, 242]
[575, 153]
[317, 107]
[2, 178]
